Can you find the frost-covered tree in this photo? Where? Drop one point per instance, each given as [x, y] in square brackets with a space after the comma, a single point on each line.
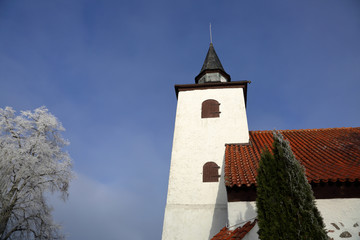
[32, 163]
[285, 202]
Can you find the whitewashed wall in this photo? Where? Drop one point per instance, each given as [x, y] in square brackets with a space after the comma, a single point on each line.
[344, 213]
[195, 208]
[240, 212]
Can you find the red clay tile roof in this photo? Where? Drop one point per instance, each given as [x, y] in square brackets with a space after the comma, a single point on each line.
[331, 154]
[237, 234]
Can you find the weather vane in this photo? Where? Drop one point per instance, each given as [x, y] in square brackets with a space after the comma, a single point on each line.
[210, 34]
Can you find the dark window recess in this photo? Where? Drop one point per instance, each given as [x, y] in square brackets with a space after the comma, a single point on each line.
[211, 172]
[210, 109]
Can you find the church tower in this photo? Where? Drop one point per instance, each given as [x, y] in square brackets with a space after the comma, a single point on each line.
[210, 113]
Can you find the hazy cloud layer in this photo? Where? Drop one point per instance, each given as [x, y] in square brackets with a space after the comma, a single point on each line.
[104, 211]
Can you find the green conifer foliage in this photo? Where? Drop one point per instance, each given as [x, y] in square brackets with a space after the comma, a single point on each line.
[285, 202]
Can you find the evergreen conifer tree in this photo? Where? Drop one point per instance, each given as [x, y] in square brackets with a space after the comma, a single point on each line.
[285, 202]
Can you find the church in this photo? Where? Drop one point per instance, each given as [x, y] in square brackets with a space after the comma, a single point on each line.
[214, 161]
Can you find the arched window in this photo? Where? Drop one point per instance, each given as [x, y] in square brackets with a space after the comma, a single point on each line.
[211, 172]
[210, 109]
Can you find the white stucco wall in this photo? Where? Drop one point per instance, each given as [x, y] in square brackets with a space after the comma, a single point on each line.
[191, 221]
[345, 213]
[240, 212]
[342, 212]
[191, 204]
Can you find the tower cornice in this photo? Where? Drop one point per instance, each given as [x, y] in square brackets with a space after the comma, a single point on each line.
[213, 85]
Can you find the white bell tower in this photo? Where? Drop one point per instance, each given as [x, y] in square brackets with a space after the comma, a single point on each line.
[209, 114]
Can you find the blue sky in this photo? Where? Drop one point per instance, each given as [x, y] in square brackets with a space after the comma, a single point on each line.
[107, 69]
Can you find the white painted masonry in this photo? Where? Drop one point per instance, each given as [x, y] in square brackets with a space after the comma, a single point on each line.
[197, 210]
[343, 212]
[241, 212]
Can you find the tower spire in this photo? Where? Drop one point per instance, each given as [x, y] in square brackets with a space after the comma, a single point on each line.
[212, 69]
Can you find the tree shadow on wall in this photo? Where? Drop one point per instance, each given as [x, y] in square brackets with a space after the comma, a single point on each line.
[249, 215]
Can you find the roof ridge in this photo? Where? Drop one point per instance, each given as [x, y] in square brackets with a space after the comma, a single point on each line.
[303, 129]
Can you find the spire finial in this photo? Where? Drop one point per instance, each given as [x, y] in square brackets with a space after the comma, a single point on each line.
[210, 35]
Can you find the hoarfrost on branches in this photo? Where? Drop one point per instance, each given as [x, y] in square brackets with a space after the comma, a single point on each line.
[32, 163]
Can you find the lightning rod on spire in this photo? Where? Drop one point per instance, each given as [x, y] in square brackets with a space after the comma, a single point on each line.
[210, 34]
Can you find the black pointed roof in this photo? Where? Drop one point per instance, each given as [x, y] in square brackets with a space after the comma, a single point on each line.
[212, 61]
[211, 64]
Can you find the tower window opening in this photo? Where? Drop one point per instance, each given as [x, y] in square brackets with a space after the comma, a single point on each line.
[211, 172]
[210, 109]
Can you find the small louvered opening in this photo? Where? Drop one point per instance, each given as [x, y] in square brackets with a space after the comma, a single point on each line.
[210, 109]
[211, 172]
